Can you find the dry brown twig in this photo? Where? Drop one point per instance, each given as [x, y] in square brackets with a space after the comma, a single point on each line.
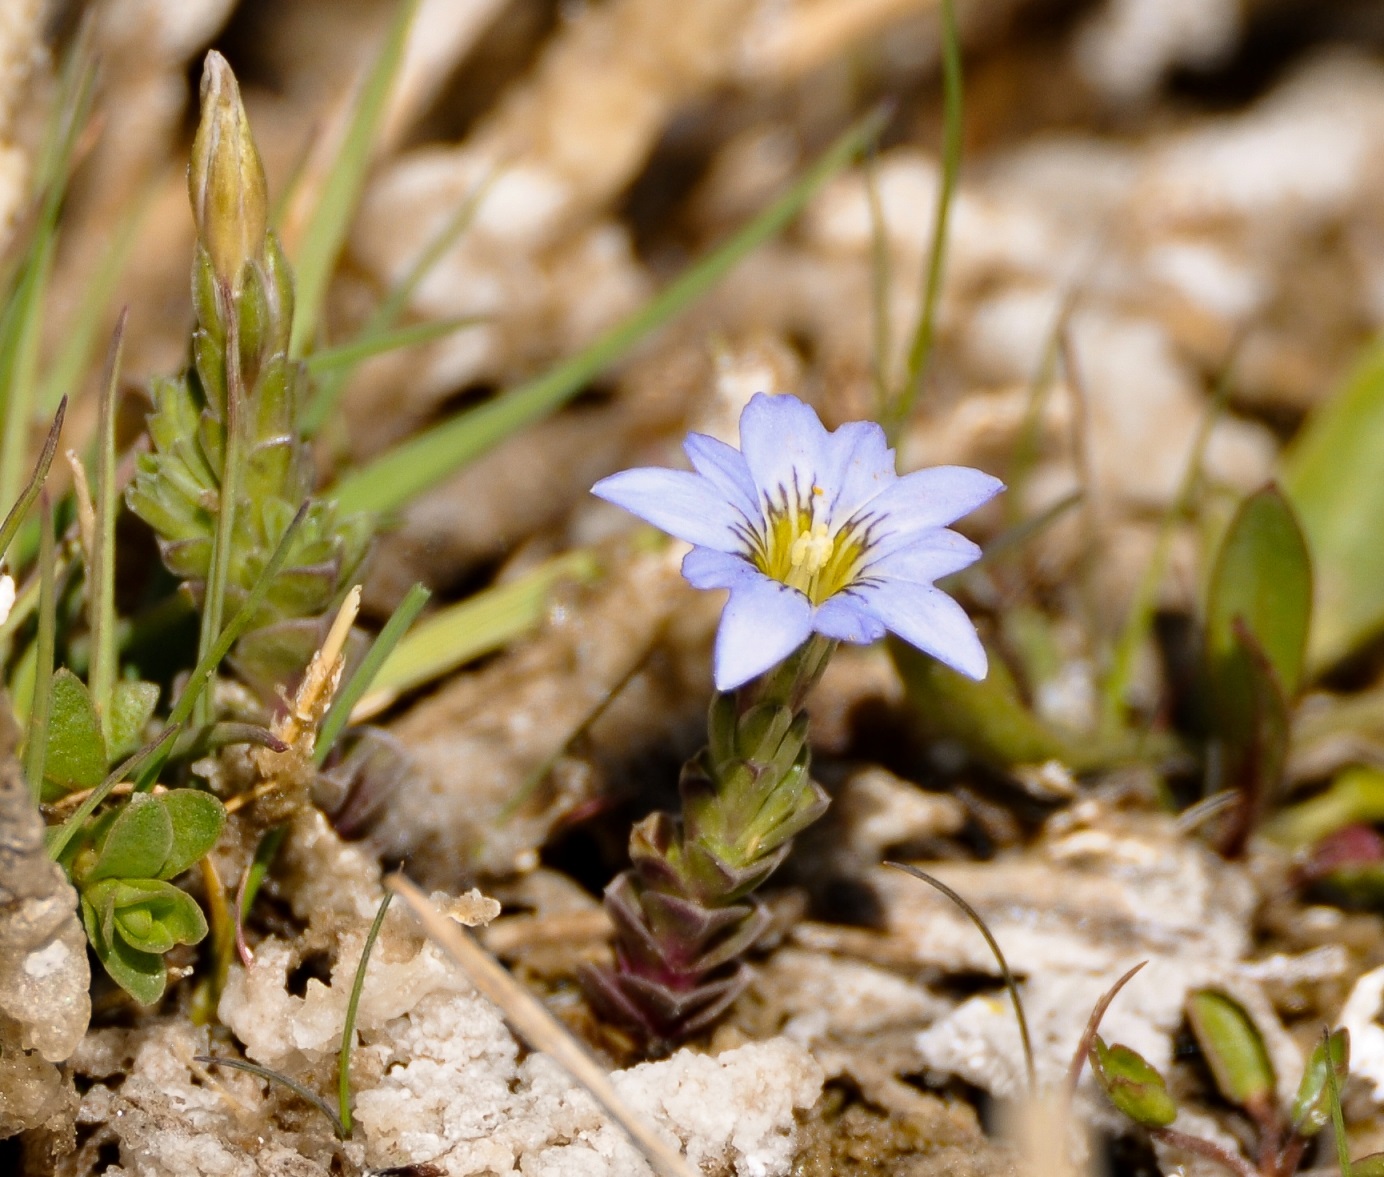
[532, 1021]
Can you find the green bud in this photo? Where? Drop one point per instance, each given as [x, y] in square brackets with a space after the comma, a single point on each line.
[1132, 1085]
[1312, 1107]
[1233, 1048]
[230, 200]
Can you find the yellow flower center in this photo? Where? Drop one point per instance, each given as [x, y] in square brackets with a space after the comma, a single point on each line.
[799, 550]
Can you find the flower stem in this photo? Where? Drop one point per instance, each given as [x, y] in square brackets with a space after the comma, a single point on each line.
[683, 911]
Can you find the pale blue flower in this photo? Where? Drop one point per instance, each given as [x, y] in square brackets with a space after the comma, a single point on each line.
[813, 531]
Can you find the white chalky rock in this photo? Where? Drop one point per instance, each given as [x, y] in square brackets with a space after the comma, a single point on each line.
[1361, 1017]
[1127, 47]
[455, 1095]
[440, 1079]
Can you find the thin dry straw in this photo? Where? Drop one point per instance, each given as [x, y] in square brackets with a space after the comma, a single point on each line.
[531, 1020]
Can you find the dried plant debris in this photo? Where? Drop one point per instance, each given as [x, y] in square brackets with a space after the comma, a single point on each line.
[44, 977]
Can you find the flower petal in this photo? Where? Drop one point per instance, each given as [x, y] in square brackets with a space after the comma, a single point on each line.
[859, 465]
[929, 619]
[683, 504]
[706, 568]
[724, 467]
[783, 442]
[933, 497]
[847, 618]
[922, 558]
[763, 623]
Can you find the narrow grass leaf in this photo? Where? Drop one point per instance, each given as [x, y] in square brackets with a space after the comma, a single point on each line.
[332, 218]
[339, 714]
[1009, 983]
[924, 331]
[10, 528]
[1311, 1105]
[100, 587]
[1139, 623]
[79, 333]
[478, 625]
[408, 470]
[386, 316]
[36, 750]
[208, 662]
[298, 1089]
[348, 1029]
[366, 345]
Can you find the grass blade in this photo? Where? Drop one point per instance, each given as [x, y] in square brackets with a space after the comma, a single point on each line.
[478, 625]
[332, 218]
[336, 360]
[100, 589]
[386, 315]
[293, 1085]
[1009, 982]
[920, 350]
[348, 1029]
[407, 471]
[22, 326]
[79, 333]
[10, 528]
[383, 646]
[228, 494]
[1140, 619]
[208, 662]
[37, 748]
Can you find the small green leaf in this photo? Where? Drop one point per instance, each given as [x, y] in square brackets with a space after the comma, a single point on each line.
[1356, 796]
[136, 844]
[988, 719]
[152, 916]
[132, 706]
[1311, 1107]
[1132, 1085]
[197, 819]
[1263, 577]
[1233, 1048]
[1331, 472]
[140, 974]
[1370, 1166]
[76, 754]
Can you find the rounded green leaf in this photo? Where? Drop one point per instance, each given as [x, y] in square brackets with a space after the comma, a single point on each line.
[1132, 1085]
[140, 974]
[197, 818]
[1233, 1048]
[137, 843]
[152, 916]
[1263, 577]
[1312, 1106]
[76, 755]
[132, 705]
[1370, 1166]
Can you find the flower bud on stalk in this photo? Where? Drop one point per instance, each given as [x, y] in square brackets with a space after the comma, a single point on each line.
[230, 199]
